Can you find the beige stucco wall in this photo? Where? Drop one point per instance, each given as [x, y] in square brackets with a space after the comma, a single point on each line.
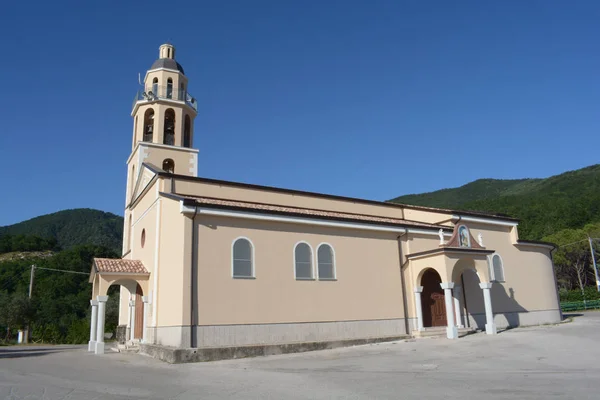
[430, 217]
[528, 271]
[368, 285]
[285, 199]
[143, 218]
[172, 302]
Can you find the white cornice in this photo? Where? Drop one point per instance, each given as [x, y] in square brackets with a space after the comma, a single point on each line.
[160, 146]
[164, 101]
[164, 69]
[487, 221]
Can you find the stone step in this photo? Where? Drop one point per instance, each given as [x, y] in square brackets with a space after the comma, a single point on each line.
[129, 347]
[440, 332]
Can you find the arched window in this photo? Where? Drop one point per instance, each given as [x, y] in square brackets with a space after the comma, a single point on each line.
[148, 125]
[187, 137]
[169, 166]
[303, 261]
[325, 262]
[132, 181]
[169, 131]
[129, 233]
[155, 86]
[242, 258]
[169, 88]
[497, 268]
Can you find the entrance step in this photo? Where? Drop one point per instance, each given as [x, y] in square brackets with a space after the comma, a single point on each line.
[129, 347]
[440, 332]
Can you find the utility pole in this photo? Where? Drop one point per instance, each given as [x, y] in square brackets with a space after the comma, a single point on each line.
[26, 338]
[595, 266]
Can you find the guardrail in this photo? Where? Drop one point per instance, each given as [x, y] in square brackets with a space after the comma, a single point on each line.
[580, 305]
[156, 92]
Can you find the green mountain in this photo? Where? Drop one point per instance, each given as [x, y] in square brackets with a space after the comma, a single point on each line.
[544, 206]
[74, 227]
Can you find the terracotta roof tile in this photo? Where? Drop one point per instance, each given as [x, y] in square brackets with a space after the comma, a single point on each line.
[111, 265]
[298, 211]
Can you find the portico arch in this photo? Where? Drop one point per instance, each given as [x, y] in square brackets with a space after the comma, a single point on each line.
[432, 299]
[134, 278]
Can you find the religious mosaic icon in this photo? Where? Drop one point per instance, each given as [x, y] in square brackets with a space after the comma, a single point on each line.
[464, 238]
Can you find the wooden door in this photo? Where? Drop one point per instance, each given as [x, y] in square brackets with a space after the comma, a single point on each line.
[433, 300]
[139, 314]
[438, 309]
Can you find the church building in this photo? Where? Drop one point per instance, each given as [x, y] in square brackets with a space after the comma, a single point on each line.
[216, 264]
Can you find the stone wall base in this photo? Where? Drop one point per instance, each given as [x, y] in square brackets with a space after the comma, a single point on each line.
[515, 319]
[175, 355]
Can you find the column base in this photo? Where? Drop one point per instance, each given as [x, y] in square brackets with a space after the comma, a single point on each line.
[451, 332]
[92, 345]
[490, 329]
[99, 347]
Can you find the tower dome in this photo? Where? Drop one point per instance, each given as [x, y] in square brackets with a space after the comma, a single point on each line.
[166, 59]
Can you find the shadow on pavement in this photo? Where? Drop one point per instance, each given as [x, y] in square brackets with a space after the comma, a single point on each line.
[20, 352]
[571, 315]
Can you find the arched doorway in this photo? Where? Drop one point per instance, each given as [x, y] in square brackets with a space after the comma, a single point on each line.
[432, 300]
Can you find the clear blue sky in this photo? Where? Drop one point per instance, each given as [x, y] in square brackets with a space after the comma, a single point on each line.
[369, 99]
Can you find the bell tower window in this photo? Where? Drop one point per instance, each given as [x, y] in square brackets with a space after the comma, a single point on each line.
[148, 125]
[187, 137]
[169, 88]
[169, 166]
[155, 86]
[169, 132]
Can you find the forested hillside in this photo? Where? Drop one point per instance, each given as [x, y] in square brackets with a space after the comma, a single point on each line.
[544, 206]
[73, 227]
[57, 311]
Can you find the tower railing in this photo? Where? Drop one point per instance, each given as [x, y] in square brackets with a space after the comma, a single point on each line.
[156, 92]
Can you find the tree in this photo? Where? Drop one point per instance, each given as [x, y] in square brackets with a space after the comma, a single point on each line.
[572, 259]
[15, 312]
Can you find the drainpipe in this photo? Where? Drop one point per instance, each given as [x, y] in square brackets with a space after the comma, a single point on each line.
[403, 284]
[193, 283]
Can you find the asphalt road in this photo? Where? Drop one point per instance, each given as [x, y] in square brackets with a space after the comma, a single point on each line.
[547, 362]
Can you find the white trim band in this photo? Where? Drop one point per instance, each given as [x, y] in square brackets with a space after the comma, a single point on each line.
[484, 221]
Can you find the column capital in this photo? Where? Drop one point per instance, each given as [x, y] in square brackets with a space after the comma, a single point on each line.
[131, 303]
[418, 289]
[93, 303]
[447, 285]
[485, 285]
[102, 299]
[147, 299]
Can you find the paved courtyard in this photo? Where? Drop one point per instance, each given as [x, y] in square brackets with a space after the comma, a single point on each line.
[527, 363]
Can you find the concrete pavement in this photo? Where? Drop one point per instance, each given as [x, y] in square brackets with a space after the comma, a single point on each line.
[525, 363]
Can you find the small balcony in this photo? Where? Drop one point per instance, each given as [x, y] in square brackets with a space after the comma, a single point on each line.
[166, 93]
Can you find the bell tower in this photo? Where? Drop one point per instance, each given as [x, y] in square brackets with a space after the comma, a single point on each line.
[163, 121]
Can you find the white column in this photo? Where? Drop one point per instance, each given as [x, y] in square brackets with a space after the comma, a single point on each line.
[147, 302]
[490, 326]
[451, 331]
[100, 330]
[419, 307]
[457, 308]
[93, 325]
[132, 320]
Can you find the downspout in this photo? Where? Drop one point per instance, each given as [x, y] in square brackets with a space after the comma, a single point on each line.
[193, 282]
[402, 283]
